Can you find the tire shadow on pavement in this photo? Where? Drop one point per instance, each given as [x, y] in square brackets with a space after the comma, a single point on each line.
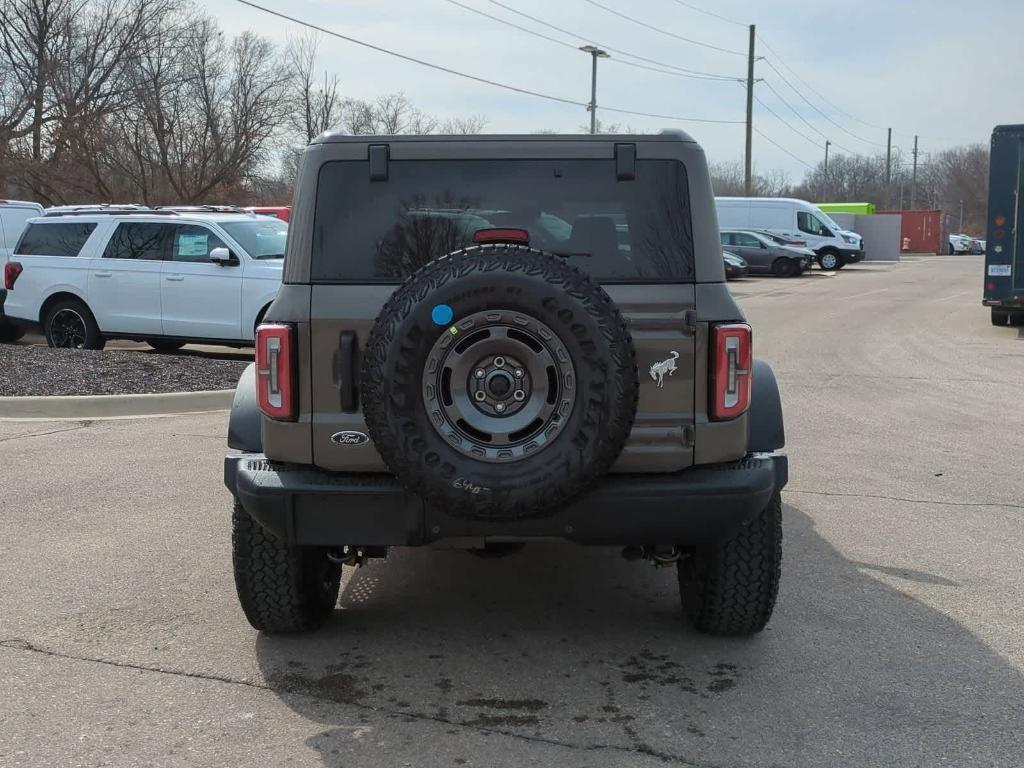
[436, 658]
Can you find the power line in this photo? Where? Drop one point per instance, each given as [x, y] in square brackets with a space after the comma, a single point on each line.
[619, 51]
[575, 47]
[834, 106]
[475, 78]
[782, 148]
[799, 93]
[412, 59]
[653, 28]
[793, 110]
[671, 117]
[712, 14]
[787, 123]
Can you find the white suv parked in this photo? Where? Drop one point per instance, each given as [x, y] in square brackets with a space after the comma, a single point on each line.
[164, 276]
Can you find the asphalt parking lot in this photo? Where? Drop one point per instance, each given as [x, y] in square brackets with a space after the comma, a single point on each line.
[897, 639]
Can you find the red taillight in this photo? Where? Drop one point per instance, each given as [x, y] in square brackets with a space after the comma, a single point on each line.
[502, 235]
[731, 361]
[275, 371]
[11, 271]
[990, 286]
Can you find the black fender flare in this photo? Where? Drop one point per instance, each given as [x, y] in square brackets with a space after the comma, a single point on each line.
[244, 428]
[766, 431]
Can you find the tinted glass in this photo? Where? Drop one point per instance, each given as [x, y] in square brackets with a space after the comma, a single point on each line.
[53, 239]
[747, 241]
[262, 238]
[193, 243]
[630, 231]
[147, 242]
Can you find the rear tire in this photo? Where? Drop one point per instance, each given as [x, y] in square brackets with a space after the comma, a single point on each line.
[1000, 317]
[729, 588]
[161, 345]
[281, 588]
[784, 267]
[1016, 319]
[70, 324]
[9, 332]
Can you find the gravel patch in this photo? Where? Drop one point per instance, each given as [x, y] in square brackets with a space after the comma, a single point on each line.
[26, 370]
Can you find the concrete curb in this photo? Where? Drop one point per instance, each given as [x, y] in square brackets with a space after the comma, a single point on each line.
[115, 406]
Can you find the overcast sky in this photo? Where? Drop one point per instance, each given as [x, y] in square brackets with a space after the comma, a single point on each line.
[947, 70]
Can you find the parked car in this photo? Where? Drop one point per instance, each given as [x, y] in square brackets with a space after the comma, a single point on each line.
[418, 384]
[164, 276]
[283, 212]
[977, 246]
[14, 214]
[735, 266]
[764, 256]
[833, 246]
[960, 243]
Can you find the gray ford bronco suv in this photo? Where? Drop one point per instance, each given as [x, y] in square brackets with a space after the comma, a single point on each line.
[485, 341]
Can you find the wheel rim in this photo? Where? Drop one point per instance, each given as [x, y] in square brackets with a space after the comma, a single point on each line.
[829, 261]
[499, 386]
[67, 329]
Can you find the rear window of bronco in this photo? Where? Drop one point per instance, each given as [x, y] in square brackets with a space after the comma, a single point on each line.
[636, 230]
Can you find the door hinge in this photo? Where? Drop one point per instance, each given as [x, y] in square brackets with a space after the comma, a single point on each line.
[689, 435]
[690, 320]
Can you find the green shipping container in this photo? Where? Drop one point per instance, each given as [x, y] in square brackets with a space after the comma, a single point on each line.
[862, 209]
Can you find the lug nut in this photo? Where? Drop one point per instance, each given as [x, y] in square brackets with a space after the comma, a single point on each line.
[480, 396]
[519, 395]
[519, 373]
[499, 407]
[480, 373]
[499, 362]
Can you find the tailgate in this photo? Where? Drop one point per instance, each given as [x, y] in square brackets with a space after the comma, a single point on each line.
[661, 440]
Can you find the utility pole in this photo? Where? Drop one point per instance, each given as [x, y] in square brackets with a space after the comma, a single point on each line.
[961, 216]
[913, 180]
[595, 54]
[888, 159]
[748, 182]
[827, 145]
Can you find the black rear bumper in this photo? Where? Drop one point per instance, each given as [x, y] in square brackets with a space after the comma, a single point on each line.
[305, 505]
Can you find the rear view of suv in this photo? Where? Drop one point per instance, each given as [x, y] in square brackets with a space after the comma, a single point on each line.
[14, 214]
[487, 341]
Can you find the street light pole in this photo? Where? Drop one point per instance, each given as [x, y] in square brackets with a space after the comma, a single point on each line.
[595, 53]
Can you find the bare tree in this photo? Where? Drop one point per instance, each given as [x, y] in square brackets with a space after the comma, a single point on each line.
[318, 106]
[463, 126]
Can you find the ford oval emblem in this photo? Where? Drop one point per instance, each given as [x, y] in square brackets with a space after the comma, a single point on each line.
[349, 438]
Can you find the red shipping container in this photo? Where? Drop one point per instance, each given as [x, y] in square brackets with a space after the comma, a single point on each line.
[924, 230]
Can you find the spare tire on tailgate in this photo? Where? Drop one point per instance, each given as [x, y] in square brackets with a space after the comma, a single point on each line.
[499, 382]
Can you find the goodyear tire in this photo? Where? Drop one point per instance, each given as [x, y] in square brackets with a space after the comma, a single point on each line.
[499, 382]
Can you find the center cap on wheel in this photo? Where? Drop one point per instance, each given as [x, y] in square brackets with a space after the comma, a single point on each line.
[500, 384]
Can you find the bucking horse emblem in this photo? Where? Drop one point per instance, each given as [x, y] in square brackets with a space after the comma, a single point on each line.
[659, 370]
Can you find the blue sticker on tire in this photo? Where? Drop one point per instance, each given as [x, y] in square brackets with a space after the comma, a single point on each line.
[442, 314]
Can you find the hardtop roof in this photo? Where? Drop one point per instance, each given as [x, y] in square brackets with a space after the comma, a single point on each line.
[339, 137]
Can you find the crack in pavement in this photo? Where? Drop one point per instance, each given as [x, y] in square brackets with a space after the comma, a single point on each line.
[23, 435]
[20, 644]
[1000, 504]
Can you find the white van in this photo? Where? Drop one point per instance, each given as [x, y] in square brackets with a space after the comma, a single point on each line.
[14, 214]
[834, 246]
